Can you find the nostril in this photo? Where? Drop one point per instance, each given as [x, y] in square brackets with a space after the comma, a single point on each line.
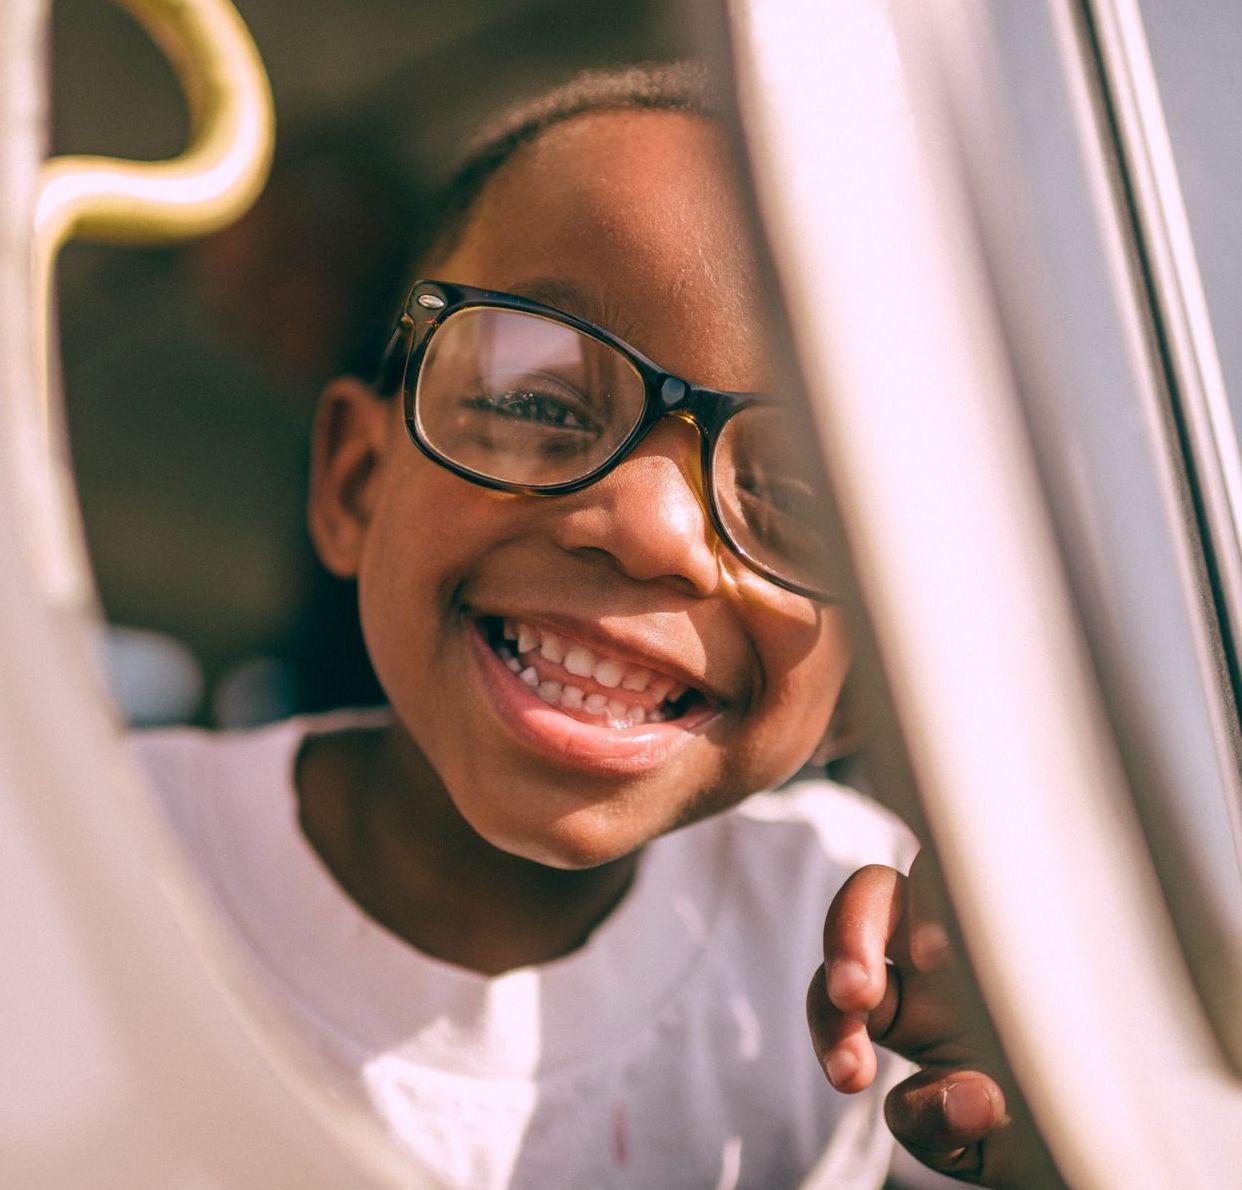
[622, 560]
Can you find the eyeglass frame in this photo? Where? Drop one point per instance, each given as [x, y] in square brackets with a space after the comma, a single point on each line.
[430, 304]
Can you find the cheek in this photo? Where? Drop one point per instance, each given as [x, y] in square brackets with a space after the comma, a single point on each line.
[419, 540]
[425, 526]
[805, 671]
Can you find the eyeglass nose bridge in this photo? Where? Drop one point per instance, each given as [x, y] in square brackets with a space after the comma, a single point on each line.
[678, 399]
[674, 392]
[688, 403]
[706, 409]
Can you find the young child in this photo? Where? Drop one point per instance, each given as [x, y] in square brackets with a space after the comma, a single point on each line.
[532, 914]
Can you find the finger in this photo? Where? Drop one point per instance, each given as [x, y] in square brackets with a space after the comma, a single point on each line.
[945, 1120]
[863, 921]
[935, 1005]
[841, 1042]
[927, 914]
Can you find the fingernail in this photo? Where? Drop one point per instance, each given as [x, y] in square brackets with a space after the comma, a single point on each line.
[845, 977]
[841, 1067]
[968, 1106]
[928, 942]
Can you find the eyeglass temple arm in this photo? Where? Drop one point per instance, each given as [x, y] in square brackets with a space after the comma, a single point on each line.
[411, 328]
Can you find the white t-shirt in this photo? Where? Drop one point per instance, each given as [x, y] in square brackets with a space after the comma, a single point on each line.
[671, 1050]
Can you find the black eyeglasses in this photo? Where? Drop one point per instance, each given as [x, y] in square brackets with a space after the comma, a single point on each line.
[517, 396]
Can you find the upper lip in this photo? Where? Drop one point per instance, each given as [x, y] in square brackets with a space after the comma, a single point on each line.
[633, 648]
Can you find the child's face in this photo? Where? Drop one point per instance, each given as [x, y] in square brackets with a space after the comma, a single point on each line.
[628, 220]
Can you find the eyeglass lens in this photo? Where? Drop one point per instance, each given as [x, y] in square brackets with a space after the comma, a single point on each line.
[519, 398]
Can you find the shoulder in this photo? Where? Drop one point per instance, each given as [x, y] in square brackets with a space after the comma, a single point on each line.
[774, 862]
[188, 764]
[784, 855]
[175, 757]
[822, 818]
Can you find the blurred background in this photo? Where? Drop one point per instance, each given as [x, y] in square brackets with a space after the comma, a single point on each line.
[191, 374]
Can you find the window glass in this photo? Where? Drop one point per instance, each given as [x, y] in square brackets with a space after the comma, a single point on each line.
[1196, 46]
[1109, 458]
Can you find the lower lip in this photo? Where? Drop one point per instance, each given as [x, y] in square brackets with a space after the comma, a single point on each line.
[570, 741]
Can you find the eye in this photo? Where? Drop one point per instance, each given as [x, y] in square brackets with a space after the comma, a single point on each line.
[538, 401]
[786, 496]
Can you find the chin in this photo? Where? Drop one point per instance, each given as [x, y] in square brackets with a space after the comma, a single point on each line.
[575, 842]
[572, 851]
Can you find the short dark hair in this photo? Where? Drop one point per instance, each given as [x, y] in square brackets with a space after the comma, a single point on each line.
[679, 86]
[661, 86]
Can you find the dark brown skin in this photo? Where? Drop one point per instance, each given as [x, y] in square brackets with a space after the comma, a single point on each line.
[447, 828]
[366, 828]
[888, 978]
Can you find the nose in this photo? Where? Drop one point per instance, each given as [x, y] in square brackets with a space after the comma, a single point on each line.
[649, 517]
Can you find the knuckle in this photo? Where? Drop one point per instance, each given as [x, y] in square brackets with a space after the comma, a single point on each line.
[930, 946]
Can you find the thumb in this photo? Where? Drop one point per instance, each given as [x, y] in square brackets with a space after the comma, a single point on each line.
[946, 1120]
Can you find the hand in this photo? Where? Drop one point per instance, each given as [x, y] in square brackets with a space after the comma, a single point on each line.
[888, 978]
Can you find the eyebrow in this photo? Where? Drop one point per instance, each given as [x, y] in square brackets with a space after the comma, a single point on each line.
[587, 304]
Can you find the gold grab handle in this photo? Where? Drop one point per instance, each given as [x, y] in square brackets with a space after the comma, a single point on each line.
[210, 184]
[213, 181]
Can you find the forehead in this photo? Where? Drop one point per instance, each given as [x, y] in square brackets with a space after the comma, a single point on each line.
[639, 214]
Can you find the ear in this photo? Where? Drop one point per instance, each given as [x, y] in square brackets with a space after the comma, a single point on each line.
[351, 430]
[847, 729]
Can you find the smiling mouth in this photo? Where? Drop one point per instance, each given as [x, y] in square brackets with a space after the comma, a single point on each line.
[587, 685]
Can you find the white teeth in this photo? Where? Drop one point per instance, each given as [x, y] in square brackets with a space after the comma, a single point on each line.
[580, 661]
[573, 698]
[608, 672]
[551, 648]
